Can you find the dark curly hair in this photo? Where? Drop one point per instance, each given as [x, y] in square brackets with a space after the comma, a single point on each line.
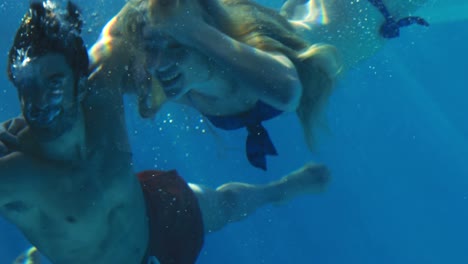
[46, 28]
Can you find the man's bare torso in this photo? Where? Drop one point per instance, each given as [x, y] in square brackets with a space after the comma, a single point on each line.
[88, 211]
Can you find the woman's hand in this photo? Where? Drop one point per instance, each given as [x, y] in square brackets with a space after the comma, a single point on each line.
[178, 19]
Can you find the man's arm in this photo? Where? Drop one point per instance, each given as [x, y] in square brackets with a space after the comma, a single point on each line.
[118, 51]
[104, 112]
[117, 67]
[12, 172]
[235, 201]
[16, 168]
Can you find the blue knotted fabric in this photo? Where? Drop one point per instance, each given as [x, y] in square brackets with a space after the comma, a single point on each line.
[258, 143]
[391, 27]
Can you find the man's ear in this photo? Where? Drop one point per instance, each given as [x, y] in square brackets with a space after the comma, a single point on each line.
[82, 88]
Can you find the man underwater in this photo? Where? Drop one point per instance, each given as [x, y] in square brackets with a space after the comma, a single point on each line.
[68, 183]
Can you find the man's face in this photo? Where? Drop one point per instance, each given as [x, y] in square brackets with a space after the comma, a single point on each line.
[46, 89]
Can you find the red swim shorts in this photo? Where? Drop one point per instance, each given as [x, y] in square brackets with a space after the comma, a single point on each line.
[175, 219]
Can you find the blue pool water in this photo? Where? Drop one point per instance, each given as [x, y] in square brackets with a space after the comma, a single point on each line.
[396, 142]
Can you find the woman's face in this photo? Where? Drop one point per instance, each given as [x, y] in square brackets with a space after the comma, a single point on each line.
[165, 59]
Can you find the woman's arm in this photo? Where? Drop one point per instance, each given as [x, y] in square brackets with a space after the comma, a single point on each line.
[272, 76]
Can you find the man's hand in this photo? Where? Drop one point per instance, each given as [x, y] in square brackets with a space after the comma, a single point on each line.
[9, 131]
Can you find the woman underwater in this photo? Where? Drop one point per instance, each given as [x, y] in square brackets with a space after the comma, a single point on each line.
[239, 63]
[236, 62]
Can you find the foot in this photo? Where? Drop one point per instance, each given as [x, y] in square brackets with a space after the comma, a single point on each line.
[29, 256]
[310, 179]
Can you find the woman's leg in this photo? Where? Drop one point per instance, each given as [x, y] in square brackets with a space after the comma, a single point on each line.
[352, 26]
